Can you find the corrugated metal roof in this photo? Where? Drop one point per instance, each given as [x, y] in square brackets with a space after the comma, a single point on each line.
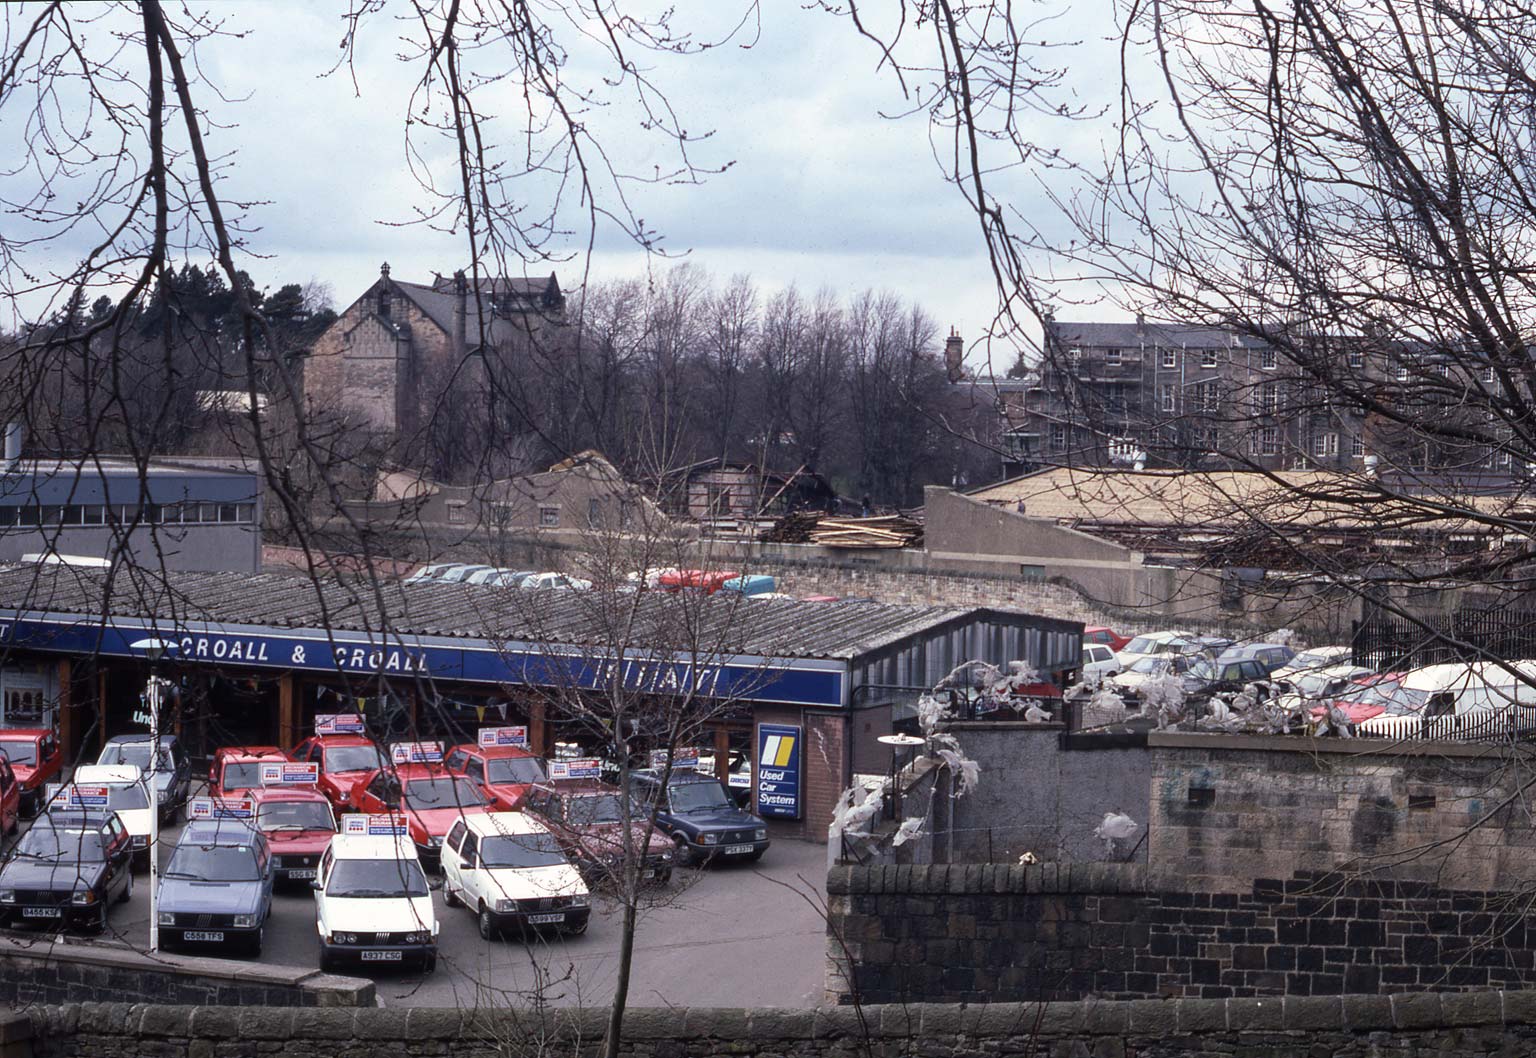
[716, 624]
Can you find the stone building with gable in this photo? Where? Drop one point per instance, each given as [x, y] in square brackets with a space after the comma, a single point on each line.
[408, 362]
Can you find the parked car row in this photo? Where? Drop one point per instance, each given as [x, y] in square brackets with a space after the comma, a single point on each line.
[520, 843]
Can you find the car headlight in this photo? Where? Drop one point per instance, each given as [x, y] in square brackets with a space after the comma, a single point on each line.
[141, 841]
[245, 921]
[581, 900]
[343, 796]
[7, 896]
[760, 834]
[87, 897]
[167, 918]
[666, 857]
[709, 839]
[506, 905]
[435, 843]
[343, 938]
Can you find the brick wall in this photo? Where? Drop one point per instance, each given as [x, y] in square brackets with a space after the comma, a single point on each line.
[821, 758]
[1227, 809]
[989, 933]
[1449, 1026]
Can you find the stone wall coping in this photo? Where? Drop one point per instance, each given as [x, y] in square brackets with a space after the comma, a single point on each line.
[1416, 1011]
[1352, 747]
[45, 951]
[959, 879]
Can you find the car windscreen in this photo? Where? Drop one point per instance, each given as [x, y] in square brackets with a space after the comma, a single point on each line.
[520, 850]
[127, 797]
[135, 753]
[1202, 670]
[214, 863]
[295, 815]
[19, 750]
[442, 793]
[1141, 645]
[1149, 666]
[1310, 660]
[242, 775]
[61, 843]
[600, 808]
[1403, 702]
[693, 796]
[1314, 684]
[515, 770]
[353, 758]
[367, 879]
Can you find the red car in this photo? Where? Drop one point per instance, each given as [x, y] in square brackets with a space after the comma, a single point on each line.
[10, 799]
[299, 824]
[704, 580]
[431, 797]
[1105, 636]
[236, 770]
[36, 759]
[503, 773]
[586, 818]
[343, 760]
[1368, 696]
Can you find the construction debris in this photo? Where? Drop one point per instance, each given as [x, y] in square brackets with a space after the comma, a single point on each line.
[804, 527]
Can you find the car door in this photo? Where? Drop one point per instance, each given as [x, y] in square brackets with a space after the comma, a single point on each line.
[472, 878]
[10, 796]
[264, 862]
[450, 856]
[115, 836]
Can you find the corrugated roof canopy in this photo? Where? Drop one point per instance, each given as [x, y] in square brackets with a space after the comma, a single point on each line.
[716, 624]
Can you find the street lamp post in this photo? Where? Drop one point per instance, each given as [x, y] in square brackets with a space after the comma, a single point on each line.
[154, 650]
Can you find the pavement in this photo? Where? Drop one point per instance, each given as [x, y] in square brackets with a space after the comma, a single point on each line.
[731, 936]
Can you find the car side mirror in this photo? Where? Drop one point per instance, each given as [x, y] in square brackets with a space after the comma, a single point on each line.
[315, 885]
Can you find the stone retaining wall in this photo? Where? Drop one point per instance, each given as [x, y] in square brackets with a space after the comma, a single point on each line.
[1341, 1026]
[977, 933]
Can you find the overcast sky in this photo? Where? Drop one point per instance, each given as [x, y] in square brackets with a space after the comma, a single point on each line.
[823, 191]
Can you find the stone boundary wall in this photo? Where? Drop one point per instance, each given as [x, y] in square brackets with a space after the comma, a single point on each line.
[989, 932]
[41, 971]
[1348, 1026]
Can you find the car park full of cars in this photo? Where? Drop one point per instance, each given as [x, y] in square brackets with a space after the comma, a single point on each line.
[373, 907]
[69, 866]
[1314, 658]
[120, 787]
[171, 771]
[37, 759]
[1205, 678]
[344, 752]
[423, 791]
[695, 811]
[513, 874]
[500, 764]
[216, 891]
[586, 816]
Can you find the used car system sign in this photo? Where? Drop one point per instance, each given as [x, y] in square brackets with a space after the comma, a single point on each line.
[778, 770]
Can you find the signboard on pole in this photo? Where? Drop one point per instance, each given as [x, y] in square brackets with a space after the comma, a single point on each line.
[374, 825]
[778, 770]
[503, 736]
[682, 757]
[338, 724]
[289, 773]
[73, 796]
[586, 768]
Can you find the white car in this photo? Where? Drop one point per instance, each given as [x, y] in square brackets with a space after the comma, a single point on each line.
[1462, 702]
[372, 904]
[128, 796]
[1099, 663]
[555, 580]
[509, 870]
[461, 574]
[1151, 644]
[1316, 658]
[431, 572]
[1146, 668]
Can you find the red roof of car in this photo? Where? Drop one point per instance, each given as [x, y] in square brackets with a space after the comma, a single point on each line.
[24, 732]
[249, 753]
[495, 752]
[286, 792]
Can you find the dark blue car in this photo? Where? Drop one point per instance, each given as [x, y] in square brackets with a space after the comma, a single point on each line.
[216, 892]
[702, 820]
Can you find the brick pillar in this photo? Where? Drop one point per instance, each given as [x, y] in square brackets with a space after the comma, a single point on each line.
[287, 712]
[101, 710]
[68, 727]
[722, 755]
[538, 730]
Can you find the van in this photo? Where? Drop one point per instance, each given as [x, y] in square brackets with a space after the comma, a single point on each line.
[1463, 702]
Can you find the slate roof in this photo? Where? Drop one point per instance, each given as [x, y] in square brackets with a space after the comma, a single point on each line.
[768, 629]
[437, 301]
[1151, 335]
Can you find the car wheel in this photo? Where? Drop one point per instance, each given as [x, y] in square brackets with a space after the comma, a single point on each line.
[99, 926]
[430, 964]
[127, 893]
[450, 898]
[488, 929]
[664, 877]
[576, 931]
[328, 962]
[255, 944]
[684, 854]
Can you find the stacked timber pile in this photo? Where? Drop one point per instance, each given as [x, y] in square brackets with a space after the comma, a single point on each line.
[890, 530]
[794, 528]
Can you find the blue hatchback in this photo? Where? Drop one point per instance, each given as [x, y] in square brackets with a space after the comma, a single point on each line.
[217, 890]
[702, 820]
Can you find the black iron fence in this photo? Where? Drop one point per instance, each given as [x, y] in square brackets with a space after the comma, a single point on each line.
[1388, 643]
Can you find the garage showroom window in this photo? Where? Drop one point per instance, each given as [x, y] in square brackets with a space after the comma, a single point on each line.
[100, 514]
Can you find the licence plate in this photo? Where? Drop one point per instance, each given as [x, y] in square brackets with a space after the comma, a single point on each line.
[543, 920]
[736, 850]
[40, 912]
[213, 936]
[307, 872]
[650, 873]
[382, 956]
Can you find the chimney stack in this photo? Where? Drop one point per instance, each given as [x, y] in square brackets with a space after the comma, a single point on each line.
[1141, 325]
[954, 356]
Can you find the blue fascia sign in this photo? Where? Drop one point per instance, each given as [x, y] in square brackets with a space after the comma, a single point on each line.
[778, 770]
[474, 662]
